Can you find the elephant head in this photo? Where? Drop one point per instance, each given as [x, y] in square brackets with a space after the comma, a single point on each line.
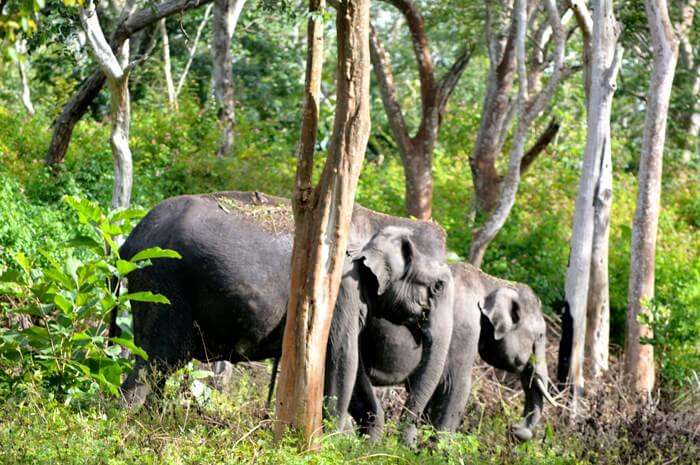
[513, 339]
[404, 285]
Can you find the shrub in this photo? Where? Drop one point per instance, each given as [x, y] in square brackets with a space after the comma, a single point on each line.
[57, 314]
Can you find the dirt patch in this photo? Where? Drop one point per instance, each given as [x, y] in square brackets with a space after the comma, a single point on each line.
[272, 214]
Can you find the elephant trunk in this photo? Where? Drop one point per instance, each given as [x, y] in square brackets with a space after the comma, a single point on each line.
[534, 381]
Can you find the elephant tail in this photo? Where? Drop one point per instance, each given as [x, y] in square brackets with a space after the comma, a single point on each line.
[114, 329]
[273, 379]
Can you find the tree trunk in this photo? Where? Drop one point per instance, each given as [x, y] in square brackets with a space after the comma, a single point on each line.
[26, 94]
[639, 357]
[79, 103]
[167, 68]
[494, 119]
[419, 183]
[322, 215]
[598, 306]
[528, 110]
[116, 68]
[605, 61]
[226, 13]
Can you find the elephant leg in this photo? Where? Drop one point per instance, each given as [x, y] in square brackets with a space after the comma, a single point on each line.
[165, 334]
[422, 383]
[447, 405]
[342, 363]
[366, 408]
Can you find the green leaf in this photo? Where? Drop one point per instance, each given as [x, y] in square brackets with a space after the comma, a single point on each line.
[129, 344]
[88, 211]
[63, 303]
[86, 242]
[201, 374]
[124, 267]
[155, 252]
[144, 296]
[22, 261]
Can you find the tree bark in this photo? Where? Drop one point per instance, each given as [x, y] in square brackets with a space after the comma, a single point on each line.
[167, 67]
[116, 68]
[604, 66]
[639, 358]
[527, 109]
[322, 215]
[494, 117]
[226, 14]
[78, 104]
[416, 151]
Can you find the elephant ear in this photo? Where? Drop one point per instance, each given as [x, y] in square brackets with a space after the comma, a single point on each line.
[388, 255]
[502, 308]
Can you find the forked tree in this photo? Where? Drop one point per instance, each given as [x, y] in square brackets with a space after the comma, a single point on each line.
[322, 213]
[639, 356]
[532, 99]
[416, 150]
[128, 26]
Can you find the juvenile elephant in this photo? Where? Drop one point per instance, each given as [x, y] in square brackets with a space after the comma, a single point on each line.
[229, 291]
[501, 319]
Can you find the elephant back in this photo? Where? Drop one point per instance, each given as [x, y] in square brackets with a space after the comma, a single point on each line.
[275, 215]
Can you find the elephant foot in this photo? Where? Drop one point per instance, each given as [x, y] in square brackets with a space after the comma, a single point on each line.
[521, 432]
[134, 397]
[409, 436]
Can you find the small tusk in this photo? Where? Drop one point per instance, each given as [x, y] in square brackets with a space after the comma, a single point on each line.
[545, 393]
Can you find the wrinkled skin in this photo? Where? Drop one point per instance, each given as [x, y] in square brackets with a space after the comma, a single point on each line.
[501, 320]
[229, 291]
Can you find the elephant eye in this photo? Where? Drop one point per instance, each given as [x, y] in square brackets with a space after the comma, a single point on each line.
[438, 287]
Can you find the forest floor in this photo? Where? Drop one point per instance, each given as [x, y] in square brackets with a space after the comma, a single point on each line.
[193, 423]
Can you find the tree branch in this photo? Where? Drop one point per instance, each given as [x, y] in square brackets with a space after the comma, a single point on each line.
[416, 26]
[387, 88]
[540, 144]
[451, 78]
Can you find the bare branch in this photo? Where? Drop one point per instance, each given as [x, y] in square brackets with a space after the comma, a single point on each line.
[382, 69]
[540, 144]
[449, 81]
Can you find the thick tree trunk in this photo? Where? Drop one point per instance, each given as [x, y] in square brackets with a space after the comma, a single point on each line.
[116, 68]
[322, 215]
[419, 183]
[639, 357]
[226, 13]
[605, 62]
[79, 103]
[167, 67]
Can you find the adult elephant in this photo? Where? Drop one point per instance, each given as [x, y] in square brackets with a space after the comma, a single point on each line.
[501, 319]
[229, 291]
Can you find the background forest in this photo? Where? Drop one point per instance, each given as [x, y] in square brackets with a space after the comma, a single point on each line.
[49, 416]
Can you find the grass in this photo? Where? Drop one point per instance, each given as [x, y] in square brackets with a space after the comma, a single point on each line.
[193, 424]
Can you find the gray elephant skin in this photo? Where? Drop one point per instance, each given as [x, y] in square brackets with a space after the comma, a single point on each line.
[502, 320]
[229, 291]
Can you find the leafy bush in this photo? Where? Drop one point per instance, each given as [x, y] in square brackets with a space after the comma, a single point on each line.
[57, 314]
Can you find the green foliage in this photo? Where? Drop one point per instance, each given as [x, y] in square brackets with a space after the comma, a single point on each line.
[56, 313]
